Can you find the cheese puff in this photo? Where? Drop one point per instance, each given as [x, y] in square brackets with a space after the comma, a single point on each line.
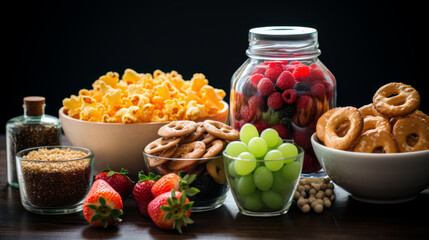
[162, 91]
[195, 110]
[128, 115]
[72, 106]
[84, 92]
[173, 109]
[108, 119]
[145, 113]
[113, 100]
[158, 116]
[139, 99]
[100, 90]
[91, 110]
[158, 73]
[192, 95]
[131, 77]
[111, 79]
[135, 89]
[212, 100]
[198, 81]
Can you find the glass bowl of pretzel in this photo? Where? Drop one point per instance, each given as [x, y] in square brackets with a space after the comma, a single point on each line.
[121, 114]
[193, 148]
[379, 152]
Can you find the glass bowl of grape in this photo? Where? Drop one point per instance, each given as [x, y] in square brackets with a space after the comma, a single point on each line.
[262, 171]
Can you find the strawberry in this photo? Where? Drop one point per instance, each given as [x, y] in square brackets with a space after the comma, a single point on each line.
[142, 191]
[103, 205]
[118, 180]
[171, 210]
[177, 182]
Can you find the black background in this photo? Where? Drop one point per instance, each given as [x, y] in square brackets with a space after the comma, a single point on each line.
[53, 49]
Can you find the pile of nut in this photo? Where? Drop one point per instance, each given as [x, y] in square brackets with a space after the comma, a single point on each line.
[314, 193]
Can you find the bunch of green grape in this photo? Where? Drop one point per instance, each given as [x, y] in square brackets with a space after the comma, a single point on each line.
[263, 171]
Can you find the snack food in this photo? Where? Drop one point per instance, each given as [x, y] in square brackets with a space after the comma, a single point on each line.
[139, 97]
[392, 129]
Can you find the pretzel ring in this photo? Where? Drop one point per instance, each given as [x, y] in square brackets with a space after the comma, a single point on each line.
[213, 148]
[396, 99]
[321, 124]
[194, 135]
[372, 122]
[161, 144]
[411, 133]
[369, 110]
[206, 138]
[376, 141]
[187, 151]
[162, 155]
[221, 130]
[342, 116]
[177, 128]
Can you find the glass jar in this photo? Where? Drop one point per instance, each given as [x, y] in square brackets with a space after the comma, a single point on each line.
[33, 129]
[283, 85]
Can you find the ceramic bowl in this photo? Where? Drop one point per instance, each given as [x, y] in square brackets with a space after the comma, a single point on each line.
[375, 177]
[117, 144]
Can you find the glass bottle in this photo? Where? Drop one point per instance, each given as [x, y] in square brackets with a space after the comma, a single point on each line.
[283, 85]
[33, 129]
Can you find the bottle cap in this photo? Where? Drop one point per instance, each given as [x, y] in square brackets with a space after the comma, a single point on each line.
[34, 105]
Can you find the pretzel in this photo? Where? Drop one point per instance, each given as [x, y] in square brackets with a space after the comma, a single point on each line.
[396, 99]
[376, 141]
[161, 144]
[369, 110]
[221, 130]
[162, 155]
[213, 148]
[321, 124]
[194, 135]
[177, 128]
[341, 116]
[187, 151]
[206, 138]
[372, 122]
[411, 133]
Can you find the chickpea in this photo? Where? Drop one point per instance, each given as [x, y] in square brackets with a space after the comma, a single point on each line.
[312, 191]
[318, 208]
[328, 192]
[305, 208]
[320, 194]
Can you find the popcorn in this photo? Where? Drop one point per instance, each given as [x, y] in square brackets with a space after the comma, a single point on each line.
[145, 97]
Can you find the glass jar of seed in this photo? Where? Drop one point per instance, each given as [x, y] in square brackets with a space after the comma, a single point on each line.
[32, 129]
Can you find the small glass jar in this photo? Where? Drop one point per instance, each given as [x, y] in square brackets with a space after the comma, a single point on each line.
[33, 129]
[283, 85]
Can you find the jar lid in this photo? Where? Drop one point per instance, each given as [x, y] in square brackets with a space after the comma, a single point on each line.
[282, 33]
[34, 105]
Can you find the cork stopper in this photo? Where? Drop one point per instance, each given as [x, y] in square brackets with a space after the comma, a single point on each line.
[34, 105]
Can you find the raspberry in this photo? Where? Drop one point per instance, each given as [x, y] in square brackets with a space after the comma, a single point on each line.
[301, 72]
[315, 73]
[318, 90]
[247, 113]
[261, 126]
[273, 72]
[285, 80]
[281, 130]
[303, 103]
[254, 79]
[259, 69]
[275, 101]
[256, 101]
[289, 96]
[265, 87]
[294, 63]
[239, 124]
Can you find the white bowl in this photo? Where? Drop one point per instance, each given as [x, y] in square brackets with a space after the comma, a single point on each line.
[375, 177]
[117, 144]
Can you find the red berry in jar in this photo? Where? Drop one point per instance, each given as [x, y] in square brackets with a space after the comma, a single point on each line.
[282, 88]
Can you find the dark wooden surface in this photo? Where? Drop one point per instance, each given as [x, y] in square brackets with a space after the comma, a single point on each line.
[346, 219]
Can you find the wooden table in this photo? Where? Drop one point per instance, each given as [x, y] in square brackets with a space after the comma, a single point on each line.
[346, 219]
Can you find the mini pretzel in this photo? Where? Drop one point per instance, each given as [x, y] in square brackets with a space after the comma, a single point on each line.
[341, 116]
[376, 141]
[372, 122]
[213, 148]
[321, 124]
[177, 129]
[206, 138]
[162, 155]
[369, 110]
[221, 130]
[396, 99]
[161, 144]
[194, 135]
[187, 151]
[411, 133]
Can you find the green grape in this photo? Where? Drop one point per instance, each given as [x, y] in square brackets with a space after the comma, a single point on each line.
[273, 165]
[263, 178]
[284, 188]
[272, 199]
[254, 201]
[234, 148]
[246, 185]
[231, 169]
[257, 146]
[288, 150]
[270, 136]
[291, 171]
[247, 132]
[280, 142]
[244, 167]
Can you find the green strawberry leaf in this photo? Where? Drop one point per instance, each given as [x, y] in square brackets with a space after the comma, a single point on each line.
[176, 209]
[150, 176]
